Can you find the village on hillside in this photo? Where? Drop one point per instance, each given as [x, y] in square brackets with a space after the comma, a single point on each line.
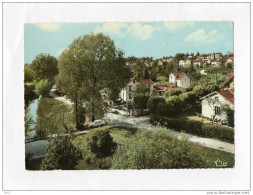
[94, 108]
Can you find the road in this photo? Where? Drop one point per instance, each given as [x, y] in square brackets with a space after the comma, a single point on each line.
[142, 122]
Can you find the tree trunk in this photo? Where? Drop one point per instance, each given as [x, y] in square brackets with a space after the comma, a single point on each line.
[92, 112]
[76, 110]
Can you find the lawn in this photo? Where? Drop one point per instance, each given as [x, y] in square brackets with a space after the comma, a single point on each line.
[120, 135]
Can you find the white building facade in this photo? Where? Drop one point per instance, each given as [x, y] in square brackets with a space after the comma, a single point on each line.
[126, 94]
[180, 79]
[212, 103]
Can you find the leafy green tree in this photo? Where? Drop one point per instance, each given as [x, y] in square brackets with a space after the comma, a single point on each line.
[141, 90]
[28, 73]
[62, 154]
[197, 54]
[156, 150]
[229, 114]
[173, 92]
[42, 87]
[90, 64]
[140, 101]
[153, 103]
[146, 74]
[98, 148]
[30, 94]
[45, 67]
[174, 105]
[28, 120]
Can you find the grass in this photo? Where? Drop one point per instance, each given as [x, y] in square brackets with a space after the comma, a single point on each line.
[120, 135]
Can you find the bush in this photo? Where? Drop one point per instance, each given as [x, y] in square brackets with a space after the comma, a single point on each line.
[99, 147]
[156, 150]
[28, 73]
[153, 103]
[195, 127]
[62, 154]
[173, 92]
[140, 101]
[174, 105]
[43, 87]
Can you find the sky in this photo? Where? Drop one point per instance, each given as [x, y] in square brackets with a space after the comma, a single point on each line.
[142, 39]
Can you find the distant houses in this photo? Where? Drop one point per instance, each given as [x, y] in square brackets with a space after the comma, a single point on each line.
[159, 90]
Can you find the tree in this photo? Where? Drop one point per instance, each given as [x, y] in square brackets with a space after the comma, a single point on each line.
[42, 87]
[146, 74]
[156, 150]
[153, 103]
[197, 54]
[28, 120]
[140, 101]
[45, 67]
[142, 90]
[90, 64]
[28, 73]
[62, 154]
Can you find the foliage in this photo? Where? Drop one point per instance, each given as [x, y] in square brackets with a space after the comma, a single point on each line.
[53, 117]
[153, 103]
[90, 64]
[195, 127]
[62, 154]
[141, 90]
[173, 91]
[162, 79]
[30, 95]
[28, 73]
[28, 120]
[43, 87]
[229, 114]
[155, 150]
[45, 67]
[140, 101]
[99, 147]
[174, 105]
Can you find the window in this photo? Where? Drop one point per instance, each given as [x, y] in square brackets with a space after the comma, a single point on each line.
[160, 93]
[216, 99]
[171, 77]
[130, 96]
[217, 110]
[130, 88]
[133, 81]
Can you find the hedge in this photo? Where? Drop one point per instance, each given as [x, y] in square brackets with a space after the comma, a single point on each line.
[195, 127]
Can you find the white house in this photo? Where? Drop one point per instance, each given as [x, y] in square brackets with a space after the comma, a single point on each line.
[197, 63]
[188, 63]
[181, 63]
[203, 72]
[126, 94]
[180, 79]
[215, 63]
[211, 104]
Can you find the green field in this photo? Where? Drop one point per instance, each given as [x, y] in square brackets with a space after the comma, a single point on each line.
[120, 135]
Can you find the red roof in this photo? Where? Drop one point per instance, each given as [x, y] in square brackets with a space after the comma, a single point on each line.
[179, 75]
[196, 61]
[228, 81]
[146, 81]
[166, 88]
[228, 94]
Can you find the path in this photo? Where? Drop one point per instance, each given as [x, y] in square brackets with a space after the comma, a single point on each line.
[143, 123]
[122, 120]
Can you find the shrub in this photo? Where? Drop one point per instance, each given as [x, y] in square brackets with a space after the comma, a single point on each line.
[62, 154]
[195, 127]
[156, 150]
[173, 92]
[174, 105]
[28, 73]
[153, 103]
[140, 101]
[99, 147]
[42, 87]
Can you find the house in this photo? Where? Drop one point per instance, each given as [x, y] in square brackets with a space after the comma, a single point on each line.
[160, 62]
[181, 63]
[229, 83]
[216, 63]
[197, 63]
[126, 94]
[159, 90]
[203, 72]
[188, 63]
[218, 55]
[180, 79]
[212, 103]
